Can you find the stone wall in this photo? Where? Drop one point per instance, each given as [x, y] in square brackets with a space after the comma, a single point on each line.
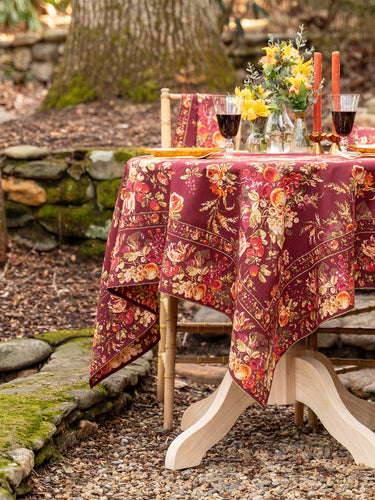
[61, 197]
[32, 56]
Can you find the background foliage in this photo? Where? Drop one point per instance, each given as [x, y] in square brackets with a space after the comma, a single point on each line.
[14, 12]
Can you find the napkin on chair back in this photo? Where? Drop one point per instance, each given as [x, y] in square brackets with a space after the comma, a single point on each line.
[196, 124]
[362, 135]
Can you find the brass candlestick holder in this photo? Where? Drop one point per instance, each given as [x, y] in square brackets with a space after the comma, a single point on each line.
[335, 146]
[317, 137]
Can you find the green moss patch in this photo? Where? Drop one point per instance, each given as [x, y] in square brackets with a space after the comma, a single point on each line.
[78, 92]
[124, 154]
[107, 192]
[83, 221]
[69, 191]
[146, 91]
[59, 337]
[22, 421]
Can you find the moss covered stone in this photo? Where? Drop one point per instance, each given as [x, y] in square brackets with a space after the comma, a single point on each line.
[48, 452]
[6, 494]
[37, 169]
[70, 191]
[33, 235]
[84, 221]
[21, 423]
[15, 209]
[107, 192]
[124, 154]
[17, 214]
[76, 171]
[59, 337]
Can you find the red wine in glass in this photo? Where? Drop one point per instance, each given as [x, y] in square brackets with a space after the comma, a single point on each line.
[228, 125]
[228, 109]
[343, 121]
[343, 108]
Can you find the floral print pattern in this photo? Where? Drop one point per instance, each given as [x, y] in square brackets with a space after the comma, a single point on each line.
[196, 123]
[278, 243]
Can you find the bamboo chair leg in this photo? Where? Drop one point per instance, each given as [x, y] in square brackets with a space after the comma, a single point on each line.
[169, 361]
[161, 348]
[312, 419]
[298, 414]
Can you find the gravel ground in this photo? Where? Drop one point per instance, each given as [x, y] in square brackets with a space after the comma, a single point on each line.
[264, 456]
[41, 292]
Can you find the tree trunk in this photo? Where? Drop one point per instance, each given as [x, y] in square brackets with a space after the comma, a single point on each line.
[3, 229]
[132, 48]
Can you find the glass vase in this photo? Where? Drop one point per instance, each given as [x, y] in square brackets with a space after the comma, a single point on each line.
[300, 142]
[256, 142]
[278, 130]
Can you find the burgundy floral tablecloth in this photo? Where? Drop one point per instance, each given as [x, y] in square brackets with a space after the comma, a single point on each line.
[278, 243]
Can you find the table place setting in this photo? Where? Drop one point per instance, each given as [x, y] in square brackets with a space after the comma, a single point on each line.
[195, 152]
[280, 94]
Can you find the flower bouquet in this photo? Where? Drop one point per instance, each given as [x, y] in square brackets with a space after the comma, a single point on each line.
[256, 110]
[286, 77]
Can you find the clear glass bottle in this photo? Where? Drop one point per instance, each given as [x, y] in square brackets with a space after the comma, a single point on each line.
[256, 141]
[300, 142]
[278, 131]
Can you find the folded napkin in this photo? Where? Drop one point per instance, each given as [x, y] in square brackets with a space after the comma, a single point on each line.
[196, 124]
[362, 135]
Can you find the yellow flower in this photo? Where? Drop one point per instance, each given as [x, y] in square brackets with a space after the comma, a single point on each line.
[253, 108]
[261, 92]
[249, 114]
[302, 67]
[296, 83]
[261, 108]
[270, 57]
[291, 53]
[247, 93]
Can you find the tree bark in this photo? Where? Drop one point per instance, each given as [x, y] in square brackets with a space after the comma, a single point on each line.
[3, 229]
[132, 48]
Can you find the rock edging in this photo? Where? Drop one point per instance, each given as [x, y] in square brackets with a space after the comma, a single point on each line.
[68, 196]
[42, 412]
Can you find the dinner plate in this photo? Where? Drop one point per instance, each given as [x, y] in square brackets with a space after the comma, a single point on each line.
[169, 152]
[363, 148]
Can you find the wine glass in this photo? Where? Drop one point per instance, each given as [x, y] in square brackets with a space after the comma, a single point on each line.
[228, 109]
[343, 108]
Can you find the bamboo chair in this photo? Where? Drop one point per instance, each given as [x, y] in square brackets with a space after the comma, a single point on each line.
[169, 325]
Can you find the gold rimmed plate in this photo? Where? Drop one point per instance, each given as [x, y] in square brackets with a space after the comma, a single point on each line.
[176, 152]
[363, 148]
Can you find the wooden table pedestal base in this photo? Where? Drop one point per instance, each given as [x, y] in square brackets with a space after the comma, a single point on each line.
[301, 375]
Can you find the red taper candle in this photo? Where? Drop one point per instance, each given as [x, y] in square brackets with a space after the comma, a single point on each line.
[335, 72]
[335, 69]
[317, 109]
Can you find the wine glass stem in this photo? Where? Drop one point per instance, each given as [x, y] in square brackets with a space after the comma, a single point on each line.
[229, 147]
[344, 144]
